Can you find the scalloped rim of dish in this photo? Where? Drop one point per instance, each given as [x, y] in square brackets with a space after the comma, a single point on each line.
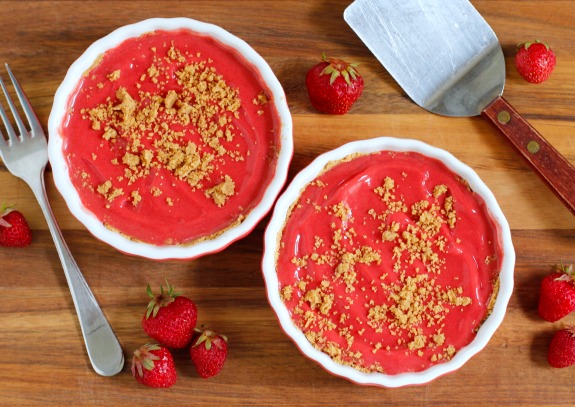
[60, 169]
[275, 226]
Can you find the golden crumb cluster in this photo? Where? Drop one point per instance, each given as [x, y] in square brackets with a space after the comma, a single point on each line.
[152, 129]
[402, 302]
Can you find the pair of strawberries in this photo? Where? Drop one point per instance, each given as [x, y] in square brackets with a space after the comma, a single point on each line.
[334, 85]
[171, 320]
[556, 301]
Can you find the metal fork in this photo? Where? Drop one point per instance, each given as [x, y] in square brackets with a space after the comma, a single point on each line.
[26, 156]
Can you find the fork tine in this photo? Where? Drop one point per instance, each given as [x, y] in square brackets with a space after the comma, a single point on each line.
[15, 114]
[26, 106]
[12, 137]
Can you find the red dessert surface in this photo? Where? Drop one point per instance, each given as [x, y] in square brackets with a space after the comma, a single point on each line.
[388, 262]
[171, 138]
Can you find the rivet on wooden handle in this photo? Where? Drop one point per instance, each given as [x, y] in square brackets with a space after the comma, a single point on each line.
[503, 117]
[533, 147]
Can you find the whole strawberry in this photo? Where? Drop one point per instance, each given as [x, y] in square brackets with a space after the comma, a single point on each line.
[153, 365]
[333, 85]
[562, 348]
[14, 230]
[557, 295]
[208, 352]
[170, 318]
[535, 61]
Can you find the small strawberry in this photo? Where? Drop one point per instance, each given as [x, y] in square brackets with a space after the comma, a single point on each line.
[170, 318]
[208, 352]
[535, 61]
[557, 295]
[14, 230]
[333, 85]
[562, 348]
[153, 365]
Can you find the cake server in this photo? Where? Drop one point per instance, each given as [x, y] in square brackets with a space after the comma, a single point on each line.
[449, 61]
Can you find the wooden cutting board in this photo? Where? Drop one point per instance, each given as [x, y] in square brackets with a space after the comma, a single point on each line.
[43, 357]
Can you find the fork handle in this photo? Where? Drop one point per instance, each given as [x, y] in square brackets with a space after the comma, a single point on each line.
[103, 348]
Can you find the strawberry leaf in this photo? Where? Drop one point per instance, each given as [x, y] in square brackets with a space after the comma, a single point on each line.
[345, 75]
[162, 300]
[5, 210]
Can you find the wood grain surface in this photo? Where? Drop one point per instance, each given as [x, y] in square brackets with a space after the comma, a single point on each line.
[42, 355]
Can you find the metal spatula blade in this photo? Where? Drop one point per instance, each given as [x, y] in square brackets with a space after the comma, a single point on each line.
[442, 53]
[449, 61]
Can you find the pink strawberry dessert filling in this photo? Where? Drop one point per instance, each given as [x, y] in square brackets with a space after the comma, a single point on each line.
[388, 262]
[170, 138]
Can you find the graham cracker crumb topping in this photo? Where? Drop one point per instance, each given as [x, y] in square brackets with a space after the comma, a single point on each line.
[394, 277]
[153, 127]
